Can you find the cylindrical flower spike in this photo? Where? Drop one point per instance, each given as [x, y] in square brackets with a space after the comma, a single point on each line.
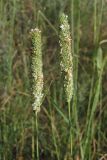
[66, 56]
[37, 73]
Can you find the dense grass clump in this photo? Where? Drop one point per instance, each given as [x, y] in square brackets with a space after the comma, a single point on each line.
[70, 125]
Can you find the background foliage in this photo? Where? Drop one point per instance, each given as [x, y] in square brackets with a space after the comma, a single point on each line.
[88, 21]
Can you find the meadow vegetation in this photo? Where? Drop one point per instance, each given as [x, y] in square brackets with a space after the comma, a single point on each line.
[57, 133]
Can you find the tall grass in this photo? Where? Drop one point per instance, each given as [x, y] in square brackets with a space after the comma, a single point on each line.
[18, 134]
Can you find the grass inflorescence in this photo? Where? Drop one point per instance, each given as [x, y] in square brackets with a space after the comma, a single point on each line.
[66, 56]
[37, 73]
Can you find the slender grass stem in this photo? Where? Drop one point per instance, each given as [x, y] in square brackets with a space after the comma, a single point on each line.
[37, 141]
[70, 131]
[4, 135]
[33, 138]
[95, 21]
[35, 131]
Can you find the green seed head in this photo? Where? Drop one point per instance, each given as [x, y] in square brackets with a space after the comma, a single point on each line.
[37, 72]
[66, 56]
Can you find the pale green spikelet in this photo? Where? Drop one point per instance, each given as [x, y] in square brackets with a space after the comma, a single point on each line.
[66, 56]
[37, 73]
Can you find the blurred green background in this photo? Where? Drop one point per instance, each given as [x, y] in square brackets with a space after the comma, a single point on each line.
[88, 22]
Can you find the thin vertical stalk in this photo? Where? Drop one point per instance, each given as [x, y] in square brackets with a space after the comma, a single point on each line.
[100, 18]
[4, 136]
[72, 24]
[37, 142]
[35, 131]
[70, 131]
[95, 21]
[33, 138]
